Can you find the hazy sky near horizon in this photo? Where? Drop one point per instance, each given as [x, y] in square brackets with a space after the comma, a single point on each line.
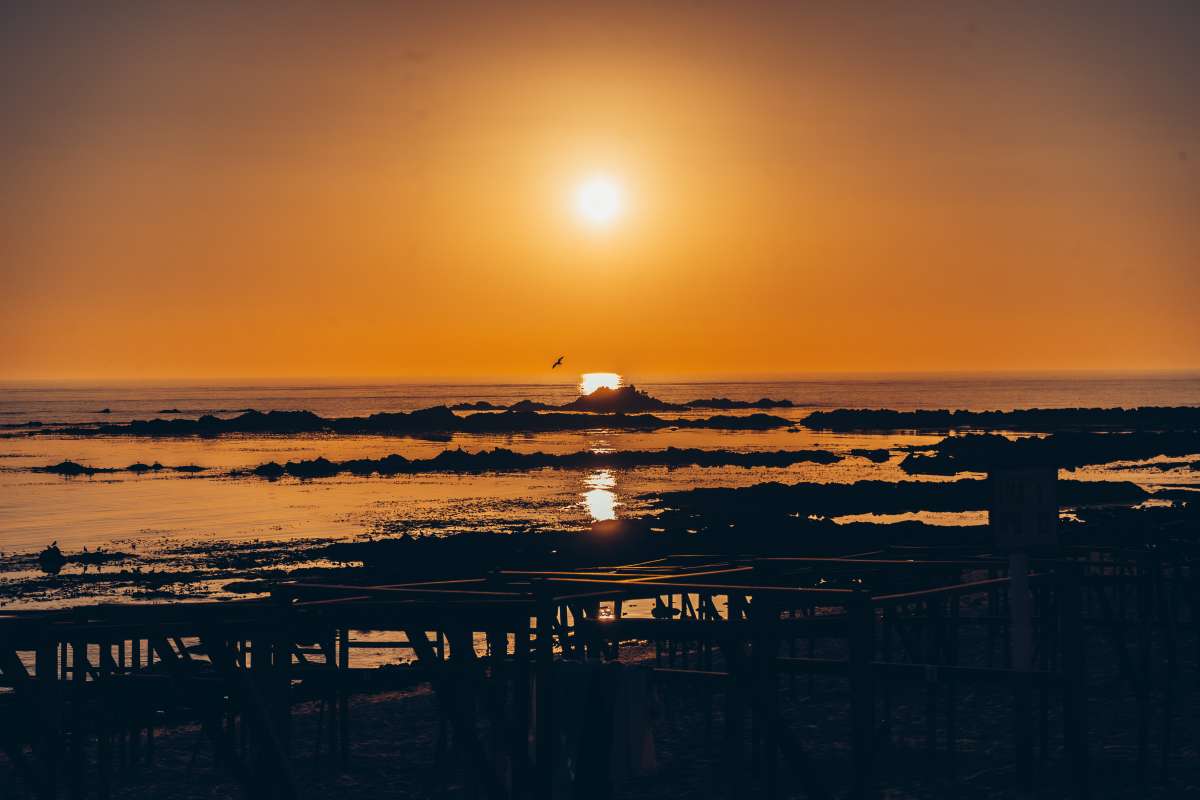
[299, 189]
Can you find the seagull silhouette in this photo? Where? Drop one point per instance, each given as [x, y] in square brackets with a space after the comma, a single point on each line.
[557, 363]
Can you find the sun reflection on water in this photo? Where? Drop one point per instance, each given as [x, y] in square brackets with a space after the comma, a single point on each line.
[591, 381]
[600, 500]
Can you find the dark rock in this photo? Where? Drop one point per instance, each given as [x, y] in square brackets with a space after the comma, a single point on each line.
[622, 400]
[71, 469]
[879, 497]
[435, 420]
[271, 470]
[1150, 418]
[51, 560]
[1068, 450]
[504, 460]
[727, 404]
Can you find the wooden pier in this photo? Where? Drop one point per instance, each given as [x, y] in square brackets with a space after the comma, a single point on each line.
[86, 690]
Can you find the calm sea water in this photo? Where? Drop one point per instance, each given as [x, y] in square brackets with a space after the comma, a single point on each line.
[81, 402]
[171, 515]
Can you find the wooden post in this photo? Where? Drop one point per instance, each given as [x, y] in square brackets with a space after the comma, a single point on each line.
[135, 730]
[862, 689]
[1022, 517]
[811, 612]
[564, 630]
[259, 680]
[766, 649]
[991, 610]
[1075, 684]
[671, 642]
[496, 692]
[594, 648]
[734, 723]
[46, 665]
[281, 696]
[343, 694]
[952, 691]
[78, 676]
[885, 631]
[1021, 658]
[544, 681]
[1166, 615]
[520, 777]
[1145, 670]
[462, 695]
[618, 611]
[104, 664]
[933, 655]
[1044, 632]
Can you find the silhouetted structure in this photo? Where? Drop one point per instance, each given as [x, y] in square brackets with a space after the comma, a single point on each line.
[884, 625]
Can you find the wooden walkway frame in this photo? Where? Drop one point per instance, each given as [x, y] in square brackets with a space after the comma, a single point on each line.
[730, 624]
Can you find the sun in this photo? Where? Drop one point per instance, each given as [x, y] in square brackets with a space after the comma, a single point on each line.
[591, 381]
[599, 200]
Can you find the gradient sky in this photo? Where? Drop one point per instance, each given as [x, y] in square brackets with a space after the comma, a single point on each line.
[382, 189]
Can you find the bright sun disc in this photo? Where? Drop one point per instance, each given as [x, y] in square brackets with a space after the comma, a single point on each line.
[591, 381]
[599, 200]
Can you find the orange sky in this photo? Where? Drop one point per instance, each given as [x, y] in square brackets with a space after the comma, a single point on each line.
[383, 189]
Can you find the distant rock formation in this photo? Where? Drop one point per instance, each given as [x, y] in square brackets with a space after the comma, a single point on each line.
[504, 460]
[625, 400]
[72, 469]
[622, 400]
[438, 419]
[730, 405]
[526, 406]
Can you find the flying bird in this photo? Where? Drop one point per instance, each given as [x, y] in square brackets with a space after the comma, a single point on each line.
[557, 363]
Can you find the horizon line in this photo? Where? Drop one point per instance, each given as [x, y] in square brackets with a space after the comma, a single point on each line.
[649, 378]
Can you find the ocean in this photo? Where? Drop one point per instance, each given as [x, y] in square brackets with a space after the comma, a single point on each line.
[169, 519]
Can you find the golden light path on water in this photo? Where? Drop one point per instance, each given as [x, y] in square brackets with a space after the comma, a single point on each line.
[600, 500]
[591, 381]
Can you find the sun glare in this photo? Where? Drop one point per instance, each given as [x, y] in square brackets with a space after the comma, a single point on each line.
[591, 381]
[599, 201]
[600, 499]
